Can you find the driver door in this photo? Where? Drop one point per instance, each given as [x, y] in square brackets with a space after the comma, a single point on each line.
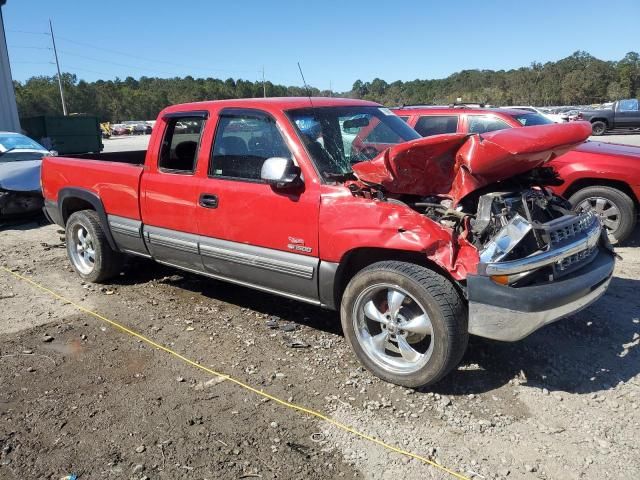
[252, 233]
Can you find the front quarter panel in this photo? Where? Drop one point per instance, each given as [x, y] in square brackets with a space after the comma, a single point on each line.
[348, 222]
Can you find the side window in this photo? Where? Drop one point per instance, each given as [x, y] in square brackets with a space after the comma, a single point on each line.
[180, 145]
[628, 105]
[436, 125]
[485, 124]
[244, 140]
[404, 119]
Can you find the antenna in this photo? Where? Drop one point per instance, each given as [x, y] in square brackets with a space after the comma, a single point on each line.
[55, 52]
[264, 86]
[306, 87]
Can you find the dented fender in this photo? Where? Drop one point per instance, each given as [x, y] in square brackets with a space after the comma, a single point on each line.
[348, 223]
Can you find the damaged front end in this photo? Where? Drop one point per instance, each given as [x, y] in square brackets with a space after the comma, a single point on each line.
[17, 204]
[538, 261]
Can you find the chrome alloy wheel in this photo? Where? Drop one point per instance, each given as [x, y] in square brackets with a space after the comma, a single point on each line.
[82, 250]
[393, 329]
[608, 212]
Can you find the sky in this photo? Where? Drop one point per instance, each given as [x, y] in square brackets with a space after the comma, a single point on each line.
[336, 42]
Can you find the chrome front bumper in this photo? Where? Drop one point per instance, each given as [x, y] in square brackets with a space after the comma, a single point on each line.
[511, 313]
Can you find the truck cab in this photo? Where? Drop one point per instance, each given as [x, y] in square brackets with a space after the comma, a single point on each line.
[417, 242]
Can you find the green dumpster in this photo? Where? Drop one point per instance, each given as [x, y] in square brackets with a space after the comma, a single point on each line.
[72, 134]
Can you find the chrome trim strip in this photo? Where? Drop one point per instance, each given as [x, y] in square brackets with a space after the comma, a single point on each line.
[244, 284]
[586, 239]
[499, 323]
[279, 266]
[164, 241]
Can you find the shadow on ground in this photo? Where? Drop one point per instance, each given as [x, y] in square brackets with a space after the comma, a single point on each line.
[581, 354]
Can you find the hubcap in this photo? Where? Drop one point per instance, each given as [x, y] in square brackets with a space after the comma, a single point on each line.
[82, 250]
[393, 329]
[607, 211]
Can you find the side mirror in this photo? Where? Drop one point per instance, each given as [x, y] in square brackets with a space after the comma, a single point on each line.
[53, 153]
[280, 172]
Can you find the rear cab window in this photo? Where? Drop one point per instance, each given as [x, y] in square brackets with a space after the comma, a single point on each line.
[244, 139]
[180, 144]
[429, 125]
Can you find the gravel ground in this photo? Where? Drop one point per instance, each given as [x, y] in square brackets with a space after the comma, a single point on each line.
[78, 396]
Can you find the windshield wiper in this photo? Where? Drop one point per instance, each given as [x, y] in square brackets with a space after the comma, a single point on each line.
[339, 176]
[7, 151]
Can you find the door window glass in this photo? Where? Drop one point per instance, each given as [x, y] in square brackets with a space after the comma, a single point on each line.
[180, 144]
[244, 140]
[436, 125]
[485, 124]
[628, 105]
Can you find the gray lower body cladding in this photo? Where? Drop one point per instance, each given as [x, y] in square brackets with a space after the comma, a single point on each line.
[293, 275]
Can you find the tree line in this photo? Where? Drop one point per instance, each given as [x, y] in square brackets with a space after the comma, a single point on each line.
[579, 79]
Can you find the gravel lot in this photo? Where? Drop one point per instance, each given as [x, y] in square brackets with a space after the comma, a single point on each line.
[79, 396]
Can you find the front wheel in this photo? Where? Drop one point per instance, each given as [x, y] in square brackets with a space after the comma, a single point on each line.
[89, 251]
[405, 323]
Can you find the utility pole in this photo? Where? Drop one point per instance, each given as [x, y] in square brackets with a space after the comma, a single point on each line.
[330, 92]
[264, 85]
[55, 52]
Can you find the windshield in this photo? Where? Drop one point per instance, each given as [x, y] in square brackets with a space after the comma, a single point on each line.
[16, 147]
[338, 137]
[532, 119]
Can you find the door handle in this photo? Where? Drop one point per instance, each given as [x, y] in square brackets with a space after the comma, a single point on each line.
[208, 200]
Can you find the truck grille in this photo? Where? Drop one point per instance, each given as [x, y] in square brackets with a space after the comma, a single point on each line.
[567, 232]
[571, 262]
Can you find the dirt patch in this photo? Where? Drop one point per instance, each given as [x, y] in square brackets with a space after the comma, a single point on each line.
[563, 403]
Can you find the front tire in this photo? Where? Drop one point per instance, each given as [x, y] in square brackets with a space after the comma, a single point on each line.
[405, 323]
[88, 249]
[598, 128]
[616, 209]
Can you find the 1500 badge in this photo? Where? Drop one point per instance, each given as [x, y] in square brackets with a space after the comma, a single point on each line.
[298, 244]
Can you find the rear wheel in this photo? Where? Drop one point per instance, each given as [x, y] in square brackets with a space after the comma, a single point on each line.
[405, 323]
[598, 128]
[616, 209]
[88, 249]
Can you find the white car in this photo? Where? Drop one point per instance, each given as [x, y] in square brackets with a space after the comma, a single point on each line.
[554, 117]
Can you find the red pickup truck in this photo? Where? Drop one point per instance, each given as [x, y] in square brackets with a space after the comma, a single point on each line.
[417, 247]
[601, 176]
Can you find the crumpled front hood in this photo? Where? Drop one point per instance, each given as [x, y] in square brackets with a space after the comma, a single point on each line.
[457, 164]
[20, 176]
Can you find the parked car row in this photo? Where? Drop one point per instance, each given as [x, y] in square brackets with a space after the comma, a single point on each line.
[132, 127]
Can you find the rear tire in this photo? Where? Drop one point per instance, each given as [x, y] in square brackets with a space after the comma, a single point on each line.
[616, 209]
[405, 323]
[88, 249]
[598, 128]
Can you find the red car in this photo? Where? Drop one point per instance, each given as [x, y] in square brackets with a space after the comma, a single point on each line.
[597, 175]
[430, 241]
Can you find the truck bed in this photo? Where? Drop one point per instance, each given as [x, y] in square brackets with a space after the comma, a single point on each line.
[114, 178]
[134, 157]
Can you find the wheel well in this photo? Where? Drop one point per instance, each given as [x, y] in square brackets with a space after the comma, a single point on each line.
[72, 205]
[359, 258]
[600, 182]
[606, 122]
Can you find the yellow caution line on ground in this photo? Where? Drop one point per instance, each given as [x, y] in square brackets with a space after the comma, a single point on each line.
[261, 393]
